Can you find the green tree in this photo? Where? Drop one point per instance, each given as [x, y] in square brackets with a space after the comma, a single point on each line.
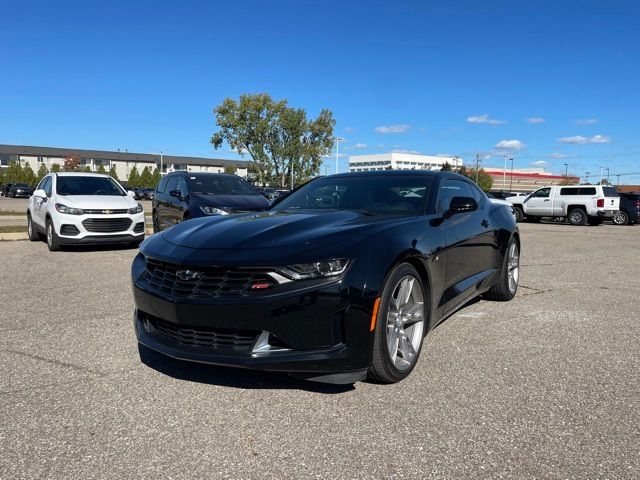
[134, 178]
[55, 167]
[113, 173]
[145, 178]
[278, 138]
[28, 176]
[485, 181]
[42, 171]
[13, 173]
[155, 178]
[101, 169]
[446, 167]
[230, 169]
[2, 176]
[87, 169]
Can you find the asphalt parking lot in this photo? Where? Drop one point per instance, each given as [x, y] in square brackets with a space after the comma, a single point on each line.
[545, 386]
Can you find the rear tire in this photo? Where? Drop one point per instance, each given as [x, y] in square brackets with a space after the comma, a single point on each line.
[577, 216]
[400, 326]
[621, 218]
[154, 220]
[507, 287]
[31, 230]
[52, 238]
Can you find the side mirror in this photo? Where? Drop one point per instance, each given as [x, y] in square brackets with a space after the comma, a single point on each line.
[131, 193]
[176, 193]
[40, 193]
[462, 204]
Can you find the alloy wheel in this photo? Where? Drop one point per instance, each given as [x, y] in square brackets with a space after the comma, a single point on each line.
[49, 234]
[29, 226]
[576, 217]
[620, 218]
[405, 322]
[513, 266]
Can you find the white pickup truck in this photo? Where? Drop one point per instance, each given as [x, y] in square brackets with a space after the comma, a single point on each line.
[579, 204]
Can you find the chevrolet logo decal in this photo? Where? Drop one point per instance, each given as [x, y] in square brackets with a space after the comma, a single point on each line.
[107, 212]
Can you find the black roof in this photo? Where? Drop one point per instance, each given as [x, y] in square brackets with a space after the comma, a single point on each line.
[109, 155]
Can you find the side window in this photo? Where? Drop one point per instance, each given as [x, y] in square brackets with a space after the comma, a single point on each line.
[182, 186]
[162, 185]
[568, 191]
[172, 183]
[41, 184]
[542, 193]
[586, 191]
[450, 189]
[477, 194]
[46, 186]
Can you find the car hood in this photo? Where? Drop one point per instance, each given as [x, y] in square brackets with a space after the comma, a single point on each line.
[235, 202]
[97, 201]
[272, 229]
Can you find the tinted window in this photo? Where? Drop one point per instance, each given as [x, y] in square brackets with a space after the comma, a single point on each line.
[181, 185]
[172, 183]
[81, 185]
[21, 185]
[450, 189]
[610, 192]
[578, 191]
[220, 185]
[385, 195]
[162, 185]
[46, 186]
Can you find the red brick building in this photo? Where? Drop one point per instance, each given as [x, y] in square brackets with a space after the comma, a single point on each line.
[525, 180]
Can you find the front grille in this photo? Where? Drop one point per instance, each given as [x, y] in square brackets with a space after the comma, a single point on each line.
[203, 282]
[139, 228]
[70, 230]
[107, 225]
[105, 211]
[200, 336]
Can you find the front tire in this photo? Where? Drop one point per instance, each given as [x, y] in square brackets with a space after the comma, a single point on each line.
[621, 218]
[519, 214]
[52, 238]
[400, 326]
[154, 220]
[507, 287]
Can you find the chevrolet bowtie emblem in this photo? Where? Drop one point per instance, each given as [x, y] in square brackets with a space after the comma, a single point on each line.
[188, 274]
[107, 212]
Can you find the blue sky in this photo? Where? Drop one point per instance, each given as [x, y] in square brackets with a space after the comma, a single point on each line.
[454, 77]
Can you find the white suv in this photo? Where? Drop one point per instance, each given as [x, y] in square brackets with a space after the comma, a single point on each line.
[83, 208]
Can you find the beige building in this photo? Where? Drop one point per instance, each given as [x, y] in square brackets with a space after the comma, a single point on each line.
[123, 162]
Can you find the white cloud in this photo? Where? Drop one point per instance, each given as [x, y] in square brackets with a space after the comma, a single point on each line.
[580, 139]
[360, 146]
[485, 119]
[587, 121]
[381, 145]
[402, 128]
[349, 130]
[557, 155]
[243, 151]
[510, 145]
[535, 120]
[415, 152]
[540, 163]
[446, 155]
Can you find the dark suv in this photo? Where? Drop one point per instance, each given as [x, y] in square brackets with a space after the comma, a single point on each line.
[183, 195]
[629, 209]
[19, 190]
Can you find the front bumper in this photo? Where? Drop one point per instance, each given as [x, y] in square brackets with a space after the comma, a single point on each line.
[311, 331]
[135, 232]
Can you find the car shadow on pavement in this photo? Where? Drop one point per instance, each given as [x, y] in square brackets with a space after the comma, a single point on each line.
[232, 377]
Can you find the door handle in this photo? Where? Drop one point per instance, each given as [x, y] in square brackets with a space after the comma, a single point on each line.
[485, 223]
[546, 199]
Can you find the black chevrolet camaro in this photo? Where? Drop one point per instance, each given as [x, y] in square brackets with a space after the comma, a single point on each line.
[339, 281]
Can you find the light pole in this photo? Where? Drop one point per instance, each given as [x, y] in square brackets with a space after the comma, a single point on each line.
[600, 176]
[566, 170]
[338, 140]
[608, 182]
[511, 176]
[161, 159]
[504, 174]
[587, 177]
[477, 166]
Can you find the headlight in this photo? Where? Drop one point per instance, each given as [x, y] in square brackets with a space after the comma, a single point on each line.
[209, 210]
[325, 268]
[137, 209]
[68, 210]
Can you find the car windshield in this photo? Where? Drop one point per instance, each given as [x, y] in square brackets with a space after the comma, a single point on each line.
[80, 185]
[220, 185]
[610, 192]
[21, 185]
[375, 194]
